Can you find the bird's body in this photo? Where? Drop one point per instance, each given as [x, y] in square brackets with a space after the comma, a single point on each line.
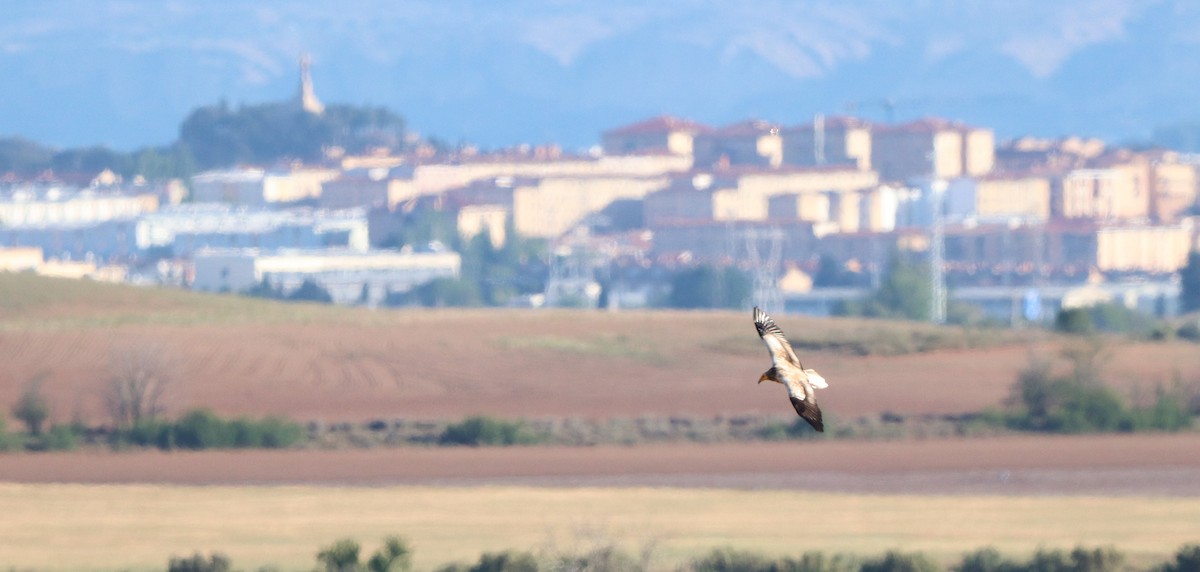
[787, 370]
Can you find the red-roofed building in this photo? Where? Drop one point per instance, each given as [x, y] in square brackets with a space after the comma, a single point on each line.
[658, 134]
[836, 140]
[754, 142]
[932, 147]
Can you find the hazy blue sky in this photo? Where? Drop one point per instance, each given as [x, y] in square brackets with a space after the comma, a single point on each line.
[126, 73]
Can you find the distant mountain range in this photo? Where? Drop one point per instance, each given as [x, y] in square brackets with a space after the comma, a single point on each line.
[126, 73]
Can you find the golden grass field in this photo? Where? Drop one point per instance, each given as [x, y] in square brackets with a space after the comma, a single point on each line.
[89, 527]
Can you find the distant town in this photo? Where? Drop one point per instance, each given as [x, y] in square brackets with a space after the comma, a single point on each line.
[805, 218]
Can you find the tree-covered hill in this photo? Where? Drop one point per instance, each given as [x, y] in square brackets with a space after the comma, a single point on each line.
[217, 136]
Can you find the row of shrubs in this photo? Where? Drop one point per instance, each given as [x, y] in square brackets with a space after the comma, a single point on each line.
[396, 556]
[203, 429]
[1119, 319]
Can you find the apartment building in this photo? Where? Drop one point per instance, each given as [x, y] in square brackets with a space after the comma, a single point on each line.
[660, 134]
[441, 177]
[548, 207]
[746, 193]
[754, 143]
[932, 147]
[259, 187]
[837, 140]
[1174, 184]
[33, 205]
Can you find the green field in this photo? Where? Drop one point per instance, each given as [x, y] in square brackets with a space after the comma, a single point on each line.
[75, 527]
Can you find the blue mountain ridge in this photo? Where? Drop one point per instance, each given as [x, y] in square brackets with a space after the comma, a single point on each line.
[125, 74]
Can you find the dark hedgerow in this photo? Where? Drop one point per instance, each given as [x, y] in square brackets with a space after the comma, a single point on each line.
[482, 430]
[203, 429]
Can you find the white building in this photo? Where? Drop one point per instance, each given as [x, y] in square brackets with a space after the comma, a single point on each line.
[187, 228]
[347, 275]
[35, 206]
[258, 187]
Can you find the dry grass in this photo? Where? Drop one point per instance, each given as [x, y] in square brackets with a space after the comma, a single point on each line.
[74, 527]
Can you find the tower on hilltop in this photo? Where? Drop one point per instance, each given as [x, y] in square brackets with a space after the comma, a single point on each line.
[307, 97]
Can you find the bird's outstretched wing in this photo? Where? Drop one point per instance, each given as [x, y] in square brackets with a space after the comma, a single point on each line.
[776, 342]
[801, 395]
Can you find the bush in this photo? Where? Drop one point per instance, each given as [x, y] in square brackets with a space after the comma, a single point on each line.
[732, 560]
[508, 561]
[1169, 413]
[8, 441]
[482, 430]
[146, 433]
[278, 433]
[895, 561]
[341, 556]
[60, 438]
[1106, 559]
[202, 429]
[986, 560]
[1189, 331]
[217, 562]
[1187, 559]
[393, 556]
[1073, 321]
[602, 559]
[819, 562]
[32, 408]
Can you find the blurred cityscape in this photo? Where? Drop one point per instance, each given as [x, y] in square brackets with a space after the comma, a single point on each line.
[811, 217]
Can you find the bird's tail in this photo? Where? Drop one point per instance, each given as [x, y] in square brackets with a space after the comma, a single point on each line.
[815, 379]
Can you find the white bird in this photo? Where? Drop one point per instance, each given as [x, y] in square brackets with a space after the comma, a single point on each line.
[786, 369]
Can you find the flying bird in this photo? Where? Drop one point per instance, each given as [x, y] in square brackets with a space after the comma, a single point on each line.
[786, 369]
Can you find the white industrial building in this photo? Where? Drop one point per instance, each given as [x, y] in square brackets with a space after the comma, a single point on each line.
[350, 277]
[185, 229]
[36, 206]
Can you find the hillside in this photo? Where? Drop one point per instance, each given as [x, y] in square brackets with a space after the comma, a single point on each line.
[247, 356]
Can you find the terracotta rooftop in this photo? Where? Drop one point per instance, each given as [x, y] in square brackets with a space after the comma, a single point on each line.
[833, 122]
[660, 124]
[748, 128]
[925, 125]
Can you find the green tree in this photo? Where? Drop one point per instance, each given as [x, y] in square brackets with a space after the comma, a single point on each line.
[8, 441]
[1074, 321]
[31, 408]
[1189, 297]
[92, 160]
[895, 561]
[341, 556]
[481, 430]
[986, 560]
[905, 291]
[393, 556]
[218, 135]
[506, 562]
[23, 156]
[216, 562]
[708, 286]
[310, 291]
[439, 293]
[1187, 559]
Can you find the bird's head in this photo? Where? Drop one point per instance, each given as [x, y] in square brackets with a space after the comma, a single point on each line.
[768, 375]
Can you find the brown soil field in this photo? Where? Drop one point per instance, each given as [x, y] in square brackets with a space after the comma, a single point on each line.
[1145, 465]
[243, 356]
